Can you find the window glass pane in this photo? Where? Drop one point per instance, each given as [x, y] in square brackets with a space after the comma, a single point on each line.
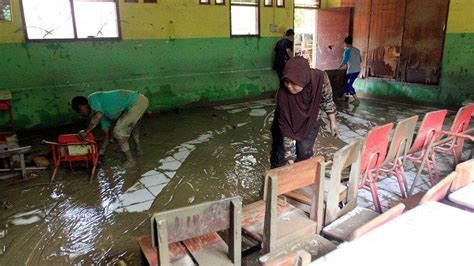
[48, 19]
[96, 19]
[244, 20]
[280, 2]
[5, 10]
[307, 3]
[245, 2]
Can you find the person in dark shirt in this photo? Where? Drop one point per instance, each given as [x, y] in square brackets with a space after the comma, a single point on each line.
[303, 92]
[283, 52]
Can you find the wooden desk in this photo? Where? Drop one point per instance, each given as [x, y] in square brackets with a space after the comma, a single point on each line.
[464, 196]
[430, 234]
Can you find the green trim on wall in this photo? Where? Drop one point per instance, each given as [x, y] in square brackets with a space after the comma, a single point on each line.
[457, 78]
[172, 73]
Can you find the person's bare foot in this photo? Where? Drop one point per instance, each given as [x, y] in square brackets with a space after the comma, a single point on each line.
[355, 102]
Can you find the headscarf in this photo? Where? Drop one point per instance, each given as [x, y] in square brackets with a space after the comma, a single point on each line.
[297, 114]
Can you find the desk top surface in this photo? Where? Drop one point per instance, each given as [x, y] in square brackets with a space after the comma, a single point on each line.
[430, 234]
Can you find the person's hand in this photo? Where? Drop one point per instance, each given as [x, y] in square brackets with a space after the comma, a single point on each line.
[82, 135]
[102, 151]
[334, 130]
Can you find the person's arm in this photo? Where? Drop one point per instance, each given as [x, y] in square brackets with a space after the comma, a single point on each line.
[328, 105]
[96, 117]
[95, 120]
[289, 146]
[345, 58]
[289, 52]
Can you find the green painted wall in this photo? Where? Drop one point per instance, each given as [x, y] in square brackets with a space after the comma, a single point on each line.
[180, 52]
[172, 73]
[175, 52]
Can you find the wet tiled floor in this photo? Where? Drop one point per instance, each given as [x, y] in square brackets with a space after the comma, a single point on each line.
[191, 156]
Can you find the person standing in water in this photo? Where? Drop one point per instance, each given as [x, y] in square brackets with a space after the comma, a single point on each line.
[303, 92]
[351, 59]
[123, 107]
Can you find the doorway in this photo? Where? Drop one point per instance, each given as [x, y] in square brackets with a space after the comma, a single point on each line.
[305, 28]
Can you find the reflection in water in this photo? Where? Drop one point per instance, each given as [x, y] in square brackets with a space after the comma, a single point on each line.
[31, 217]
[82, 225]
[77, 224]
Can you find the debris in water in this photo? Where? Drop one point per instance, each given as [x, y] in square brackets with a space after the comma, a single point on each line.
[31, 216]
[3, 233]
[169, 201]
[192, 187]
[120, 263]
[7, 205]
[191, 200]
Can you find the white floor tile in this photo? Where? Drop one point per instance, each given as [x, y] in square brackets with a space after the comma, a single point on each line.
[154, 180]
[136, 197]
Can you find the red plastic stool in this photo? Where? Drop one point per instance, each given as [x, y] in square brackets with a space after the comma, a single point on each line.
[5, 105]
[70, 148]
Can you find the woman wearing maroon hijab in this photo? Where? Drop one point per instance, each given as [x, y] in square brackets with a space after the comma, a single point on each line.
[295, 125]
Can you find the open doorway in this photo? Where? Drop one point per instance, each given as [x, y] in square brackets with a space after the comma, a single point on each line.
[305, 28]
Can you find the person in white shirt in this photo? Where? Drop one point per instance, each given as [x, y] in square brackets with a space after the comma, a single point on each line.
[351, 59]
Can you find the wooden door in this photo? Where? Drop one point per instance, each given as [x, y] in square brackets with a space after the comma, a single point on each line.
[332, 26]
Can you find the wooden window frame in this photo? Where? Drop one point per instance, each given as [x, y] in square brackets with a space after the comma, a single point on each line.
[318, 5]
[257, 5]
[73, 16]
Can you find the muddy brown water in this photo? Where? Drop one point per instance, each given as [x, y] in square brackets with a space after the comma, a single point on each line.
[70, 221]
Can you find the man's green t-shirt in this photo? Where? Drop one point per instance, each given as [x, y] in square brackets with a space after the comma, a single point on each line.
[111, 104]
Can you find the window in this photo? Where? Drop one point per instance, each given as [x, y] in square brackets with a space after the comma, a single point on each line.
[5, 10]
[268, 3]
[55, 19]
[205, 2]
[220, 2]
[308, 3]
[305, 29]
[280, 3]
[244, 17]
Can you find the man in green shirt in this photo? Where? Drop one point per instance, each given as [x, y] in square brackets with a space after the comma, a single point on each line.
[123, 107]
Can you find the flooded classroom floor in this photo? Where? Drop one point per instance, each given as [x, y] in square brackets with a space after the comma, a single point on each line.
[190, 156]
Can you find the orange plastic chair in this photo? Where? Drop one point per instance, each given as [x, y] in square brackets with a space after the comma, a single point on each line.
[373, 155]
[70, 148]
[399, 146]
[455, 145]
[432, 122]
